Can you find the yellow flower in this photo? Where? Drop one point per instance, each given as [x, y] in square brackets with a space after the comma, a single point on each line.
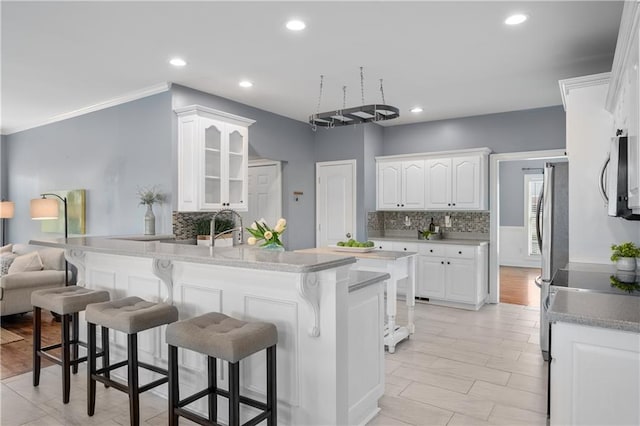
[280, 225]
[268, 235]
[251, 241]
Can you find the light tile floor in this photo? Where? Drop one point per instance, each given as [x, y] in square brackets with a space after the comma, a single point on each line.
[459, 368]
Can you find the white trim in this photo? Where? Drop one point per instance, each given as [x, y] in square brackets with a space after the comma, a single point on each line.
[494, 176]
[206, 111]
[457, 152]
[265, 162]
[354, 218]
[127, 97]
[628, 29]
[568, 84]
[528, 178]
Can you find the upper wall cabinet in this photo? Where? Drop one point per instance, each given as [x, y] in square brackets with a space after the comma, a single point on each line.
[623, 97]
[212, 159]
[456, 183]
[400, 185]
[453, 180]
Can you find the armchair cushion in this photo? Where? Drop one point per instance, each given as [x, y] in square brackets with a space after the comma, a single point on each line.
[6, 259]
[6, 249]
[26, 262]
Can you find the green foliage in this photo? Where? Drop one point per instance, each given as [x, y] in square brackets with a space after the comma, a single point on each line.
[150, 195]
[223, 225]
[203, 226]
[627, 249]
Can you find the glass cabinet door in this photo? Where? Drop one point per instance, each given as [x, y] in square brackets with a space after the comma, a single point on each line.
[236, 167]
[213, 173]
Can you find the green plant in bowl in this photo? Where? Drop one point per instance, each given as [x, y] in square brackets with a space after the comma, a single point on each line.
[627, 249]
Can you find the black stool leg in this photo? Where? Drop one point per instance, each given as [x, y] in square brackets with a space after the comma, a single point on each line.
[91, 369]
[272, 395]
[174, 388]
[66, 359]
[234, 393]
[213, 386]
[37, 344]
[105, 352]
[75, 336]
[134, 394]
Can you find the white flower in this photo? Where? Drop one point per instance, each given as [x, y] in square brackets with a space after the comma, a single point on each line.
[282, 223]
[251, 241]
[262, 221]
[254, 226]
[268, 235]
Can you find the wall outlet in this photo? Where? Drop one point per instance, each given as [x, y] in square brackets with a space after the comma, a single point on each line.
[447, 221]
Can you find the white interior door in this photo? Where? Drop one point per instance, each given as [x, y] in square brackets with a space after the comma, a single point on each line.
[265, 193]
[335, 202]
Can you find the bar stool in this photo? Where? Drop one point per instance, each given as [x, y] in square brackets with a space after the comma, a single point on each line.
[220, 336]
[66, 302]
[130, 315]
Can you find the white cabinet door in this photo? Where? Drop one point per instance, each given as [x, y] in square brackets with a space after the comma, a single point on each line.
[212, 159]
[389, 185]
[431, 277]
[465, 182]
[631, 77]
[383, 245]
[412, 185]
[460, 283]
[438, 183]
[595, 376]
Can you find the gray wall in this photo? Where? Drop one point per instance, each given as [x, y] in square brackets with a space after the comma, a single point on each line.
[3, 168]
[373, 147]
[512, 189]
[274, 137]
[528, 130]
[108, 152]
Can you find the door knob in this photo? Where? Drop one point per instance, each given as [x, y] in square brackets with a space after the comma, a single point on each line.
[348, 235]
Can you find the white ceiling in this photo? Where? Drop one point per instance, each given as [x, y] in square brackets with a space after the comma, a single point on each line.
[454, 59]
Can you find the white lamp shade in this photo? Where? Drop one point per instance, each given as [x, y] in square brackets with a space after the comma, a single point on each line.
[44, 208]
[6, 209]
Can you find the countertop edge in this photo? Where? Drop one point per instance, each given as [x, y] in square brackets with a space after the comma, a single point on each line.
[234, 263]
[361, 279]
[453, 241]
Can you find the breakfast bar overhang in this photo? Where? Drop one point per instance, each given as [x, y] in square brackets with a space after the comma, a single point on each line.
[330, 350]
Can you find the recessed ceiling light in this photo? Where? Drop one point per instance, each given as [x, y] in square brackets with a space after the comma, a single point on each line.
[296, 25]
[416, 110]
[178, 62]
[245, 83]
[516, 19]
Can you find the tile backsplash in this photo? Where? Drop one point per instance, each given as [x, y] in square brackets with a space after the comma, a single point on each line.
[467, 221]
[184, 223]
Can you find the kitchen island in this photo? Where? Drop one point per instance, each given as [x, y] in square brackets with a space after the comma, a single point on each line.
[330, 342]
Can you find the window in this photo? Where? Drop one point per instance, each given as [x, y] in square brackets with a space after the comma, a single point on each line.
[532, 188]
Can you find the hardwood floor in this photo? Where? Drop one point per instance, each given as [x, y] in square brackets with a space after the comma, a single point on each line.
[16, 357]
[517, 286]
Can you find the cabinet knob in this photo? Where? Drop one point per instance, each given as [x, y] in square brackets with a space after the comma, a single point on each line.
[380, 247]
[430, 250]
[397, 205]
[448, 263]
[448, 204]
[442, 263]
[405, 249]
[459, 252]
[403, 205]
[454, 204]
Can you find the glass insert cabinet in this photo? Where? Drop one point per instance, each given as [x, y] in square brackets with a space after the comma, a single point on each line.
[212, 159]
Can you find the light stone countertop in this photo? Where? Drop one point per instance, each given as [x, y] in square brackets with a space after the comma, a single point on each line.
[361, 279]
[373, 254]
[603, 310]
[244, 256]
[455, 241]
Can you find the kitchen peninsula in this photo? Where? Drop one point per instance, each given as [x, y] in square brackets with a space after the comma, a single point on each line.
[330, 343]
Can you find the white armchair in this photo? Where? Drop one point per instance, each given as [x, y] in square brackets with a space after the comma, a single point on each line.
[16, 287]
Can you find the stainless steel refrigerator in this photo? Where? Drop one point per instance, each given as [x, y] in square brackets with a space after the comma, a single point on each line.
[552, 224]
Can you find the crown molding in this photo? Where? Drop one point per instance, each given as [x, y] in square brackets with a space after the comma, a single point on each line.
[127, 97]
[628, 31]
[569, 84]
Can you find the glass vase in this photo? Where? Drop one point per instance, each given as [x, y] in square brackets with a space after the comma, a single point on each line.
[273, 247]
[149, 221]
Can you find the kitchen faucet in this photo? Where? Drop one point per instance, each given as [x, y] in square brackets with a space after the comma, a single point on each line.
[212, 231]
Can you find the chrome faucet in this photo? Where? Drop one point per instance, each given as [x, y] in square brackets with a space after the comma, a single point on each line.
[212, 233]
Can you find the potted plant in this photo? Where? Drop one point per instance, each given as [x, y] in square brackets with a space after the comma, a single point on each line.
[148, 197]
[625, 256]
[203, 228]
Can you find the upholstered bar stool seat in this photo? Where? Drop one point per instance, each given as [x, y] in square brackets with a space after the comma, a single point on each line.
[67, 302]
[220, 336]
[130, 315]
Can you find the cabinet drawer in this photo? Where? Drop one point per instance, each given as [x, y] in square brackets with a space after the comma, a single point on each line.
[461, 252]
[383, 245]
[400, 246]
[432, 250]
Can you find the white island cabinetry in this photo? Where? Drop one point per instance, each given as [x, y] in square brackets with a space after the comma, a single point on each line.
[212, 159]
[330, 353]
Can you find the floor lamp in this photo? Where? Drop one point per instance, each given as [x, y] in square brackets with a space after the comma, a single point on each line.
[47, 208]
[7, 209]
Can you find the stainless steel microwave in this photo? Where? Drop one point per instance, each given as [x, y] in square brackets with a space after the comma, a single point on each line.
[614, 182]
